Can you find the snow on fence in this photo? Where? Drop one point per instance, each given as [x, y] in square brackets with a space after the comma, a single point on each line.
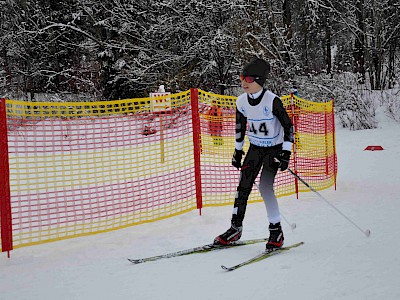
[71, 169]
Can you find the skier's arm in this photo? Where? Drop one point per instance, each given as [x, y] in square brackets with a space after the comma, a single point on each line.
[280, 112]
[240, 130]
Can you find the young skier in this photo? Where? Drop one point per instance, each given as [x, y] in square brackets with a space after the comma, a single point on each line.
[270, 133]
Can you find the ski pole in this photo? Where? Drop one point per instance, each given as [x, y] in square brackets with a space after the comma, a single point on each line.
[367, 232]
[292, 225]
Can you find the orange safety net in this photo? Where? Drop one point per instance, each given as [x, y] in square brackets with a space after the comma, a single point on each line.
[82, 168]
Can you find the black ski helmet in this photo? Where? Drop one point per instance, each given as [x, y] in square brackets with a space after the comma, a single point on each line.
[257, 68]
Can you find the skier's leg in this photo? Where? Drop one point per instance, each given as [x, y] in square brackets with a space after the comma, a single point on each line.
[248, 174]
[267, 178]
[249, 171]
[267, 191]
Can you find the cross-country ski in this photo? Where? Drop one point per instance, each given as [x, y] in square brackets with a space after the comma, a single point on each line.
[200, 249]
[261, 256]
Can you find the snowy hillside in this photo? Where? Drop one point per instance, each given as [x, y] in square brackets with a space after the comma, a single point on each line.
[336, 262]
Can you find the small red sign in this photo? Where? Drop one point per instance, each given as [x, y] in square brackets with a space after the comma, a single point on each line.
[374, 148]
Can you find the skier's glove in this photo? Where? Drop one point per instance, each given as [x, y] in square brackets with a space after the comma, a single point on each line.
[283, 157]
[237, 159]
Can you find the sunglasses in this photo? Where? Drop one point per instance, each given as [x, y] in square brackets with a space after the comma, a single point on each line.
[248, 79]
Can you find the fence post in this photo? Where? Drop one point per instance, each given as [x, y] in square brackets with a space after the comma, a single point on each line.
[5, 196]
[326, 138]
[334, 142]
[295, 126]
[194, 101]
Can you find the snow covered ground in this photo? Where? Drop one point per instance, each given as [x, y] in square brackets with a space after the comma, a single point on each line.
[337, 260]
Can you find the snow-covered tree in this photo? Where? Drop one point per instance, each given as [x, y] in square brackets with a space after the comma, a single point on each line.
[115, 49]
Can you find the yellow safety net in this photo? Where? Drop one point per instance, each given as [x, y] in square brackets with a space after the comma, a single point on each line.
[79, 168]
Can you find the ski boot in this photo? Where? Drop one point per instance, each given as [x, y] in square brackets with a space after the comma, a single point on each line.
[275, 236]
[231, 235]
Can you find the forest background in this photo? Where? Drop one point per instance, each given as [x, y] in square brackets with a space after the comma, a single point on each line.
[113, 49]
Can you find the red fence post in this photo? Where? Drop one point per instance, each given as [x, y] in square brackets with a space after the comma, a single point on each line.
[194, 101]
[326, 139]
[334, 142]
[295, 126]
[5, 196]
